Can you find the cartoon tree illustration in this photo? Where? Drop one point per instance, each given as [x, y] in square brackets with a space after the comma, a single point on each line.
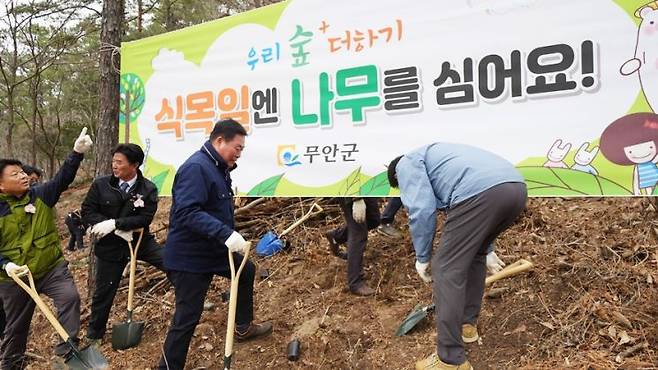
[132, 96]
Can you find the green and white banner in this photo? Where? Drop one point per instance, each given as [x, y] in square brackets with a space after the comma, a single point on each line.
[331, 91]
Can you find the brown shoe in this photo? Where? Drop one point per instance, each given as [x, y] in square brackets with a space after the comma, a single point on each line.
[333, 247]
[389, 231]
[363, 290]
[434, 363]
[93, 342]
[470, 333]
[254, 331]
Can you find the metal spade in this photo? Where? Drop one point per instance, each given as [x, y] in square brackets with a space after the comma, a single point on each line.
[79, 359]
[129, 333]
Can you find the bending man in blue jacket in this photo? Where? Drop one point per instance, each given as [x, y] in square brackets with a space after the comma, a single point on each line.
[482, 195]
[201, 234]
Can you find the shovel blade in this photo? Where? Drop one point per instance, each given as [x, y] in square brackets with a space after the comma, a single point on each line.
[269, 245]
[416, 316]
[127, 335]
[87, 358]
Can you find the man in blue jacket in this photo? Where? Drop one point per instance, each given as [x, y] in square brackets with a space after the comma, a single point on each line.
[201, 234]
[482, 195]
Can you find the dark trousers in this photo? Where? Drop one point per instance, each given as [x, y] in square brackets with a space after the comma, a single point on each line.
[57, 284]
[77, 238]
[3, 321]
[459, 265]
[108, 277]
[392, 207]
[355, 235]
[191, 289]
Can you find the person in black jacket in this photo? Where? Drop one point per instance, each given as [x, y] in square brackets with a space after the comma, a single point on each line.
[73, 222]
[117, 205]
[361, 215]
[33, 173]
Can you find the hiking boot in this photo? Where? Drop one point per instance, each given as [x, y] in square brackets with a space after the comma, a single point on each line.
[470, 333]
[333, 247]
[363, 290]
[253, 331]
[93, 342]
[64, 350]
[389, 231]
[434, 363]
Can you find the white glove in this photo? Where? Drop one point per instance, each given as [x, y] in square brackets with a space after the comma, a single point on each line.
[10, 266]
[494, 264]
[83, 142]
[236, 243]
[422, 271]
[359, 211]
[125, 235]
[103, 228]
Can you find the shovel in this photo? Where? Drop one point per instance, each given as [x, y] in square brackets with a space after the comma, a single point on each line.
[421, 311]
[129, 333]
[232, 305]
[270, 243]
[417, 315]
[86, 358]
[511, 270]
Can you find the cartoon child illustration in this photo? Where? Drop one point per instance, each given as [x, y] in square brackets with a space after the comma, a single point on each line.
[584, 159]
[646, 53]
[556, 154]
[632, 140]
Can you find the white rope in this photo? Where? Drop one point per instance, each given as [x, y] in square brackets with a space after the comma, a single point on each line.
[116, 50]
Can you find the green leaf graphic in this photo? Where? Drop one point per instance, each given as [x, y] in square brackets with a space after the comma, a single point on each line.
[266, 188]
[351, 184]
[377, 185]
[159, 179]
[543, 181]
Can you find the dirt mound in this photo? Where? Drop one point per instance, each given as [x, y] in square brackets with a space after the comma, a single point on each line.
[590, 301]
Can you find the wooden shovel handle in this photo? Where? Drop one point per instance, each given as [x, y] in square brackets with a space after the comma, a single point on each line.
[32, 291]
[513, 269]
[133, 267]
[233, 300]
[308, 215]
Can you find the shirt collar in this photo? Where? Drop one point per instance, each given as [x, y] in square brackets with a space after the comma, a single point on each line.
[130, 182]
[219, 161]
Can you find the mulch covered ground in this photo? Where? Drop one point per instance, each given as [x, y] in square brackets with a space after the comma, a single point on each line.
[589, 303]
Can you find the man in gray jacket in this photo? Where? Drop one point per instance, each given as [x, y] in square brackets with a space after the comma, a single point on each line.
[482, 195]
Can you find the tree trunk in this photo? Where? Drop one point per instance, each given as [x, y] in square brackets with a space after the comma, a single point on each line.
[52, 165]
[10, 126]
[168, 15]
[140, 15]
[107, 136]
[35, 85]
